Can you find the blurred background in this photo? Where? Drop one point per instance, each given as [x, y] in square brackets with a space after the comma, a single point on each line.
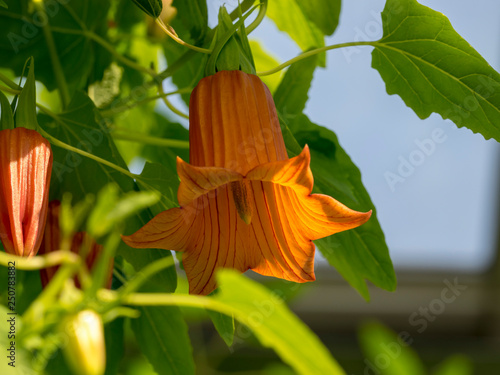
[440, 218]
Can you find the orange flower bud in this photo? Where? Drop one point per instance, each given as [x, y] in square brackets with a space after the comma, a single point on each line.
[25, 168]
[52, 242]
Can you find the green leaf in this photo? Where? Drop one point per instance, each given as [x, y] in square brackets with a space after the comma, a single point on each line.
[224, 324]
[6, 119]
[26, 108]
[265, 61]
[114, 333]
[194, 16]
[163, 337]
[387, 352]
[291, 96]
[323, 13]
[22, 26]
[289, 17]
[455, 365]
[359, 253]
[81, 126]
[425, 61]
[3, 4]
[152, 8]
[274, 324]
[165, 181]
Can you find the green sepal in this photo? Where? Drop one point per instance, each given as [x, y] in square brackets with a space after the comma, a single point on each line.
[26, 108]
[231, 49]
[152, 8]
[6, 119]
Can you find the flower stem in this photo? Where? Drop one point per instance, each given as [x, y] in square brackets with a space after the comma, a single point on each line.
[9, 83]
[115, 110]
[171, 34]
[165, 299]
[170, 105]
[259, 18]
[61, 144]
[141, 277]
[54, 58]
[314, 52]
[40, 261]
[9, 90]
[141, 138]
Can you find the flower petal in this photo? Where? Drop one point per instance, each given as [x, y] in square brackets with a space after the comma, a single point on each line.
[197, 181]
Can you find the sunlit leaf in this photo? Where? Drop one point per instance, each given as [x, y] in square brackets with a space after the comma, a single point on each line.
[387, 352]
[323, 13]
[274, 324]
[425, 61]
[265, 61]
[289, 17]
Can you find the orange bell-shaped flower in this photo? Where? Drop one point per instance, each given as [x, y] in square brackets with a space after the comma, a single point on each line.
[80, 241]
[25, 168]
[244, 203]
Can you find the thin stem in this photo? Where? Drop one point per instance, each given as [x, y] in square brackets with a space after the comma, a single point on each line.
[56, 63]
[142, 276]
[170, 105]
[115, 110]
[165, 299]
[172, 35]
[314, 52]
[9, 83]
[259, 18]
[61, 144]
[38, 262]
[141, 138]
[9, 90]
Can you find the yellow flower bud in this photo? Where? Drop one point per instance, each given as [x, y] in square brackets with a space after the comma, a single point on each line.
[85, 352]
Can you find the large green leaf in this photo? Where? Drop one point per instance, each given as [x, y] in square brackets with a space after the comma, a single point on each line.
[359, 253]
[194, 16]
[274, 324]
[290, 18]
[163, 337]
[80, 126]
[323, 13]
[388, 353]
[22, 24]
[426, 62]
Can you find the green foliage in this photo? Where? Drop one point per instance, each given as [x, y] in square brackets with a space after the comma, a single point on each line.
[289, 17]
[274, 325]
[152, 8]
[323, 13]
[265, 61]
[194, 16]
[6, 119]
[70, 21]
[389, 353]
[26, 108]
[426, 62]
[163, 338]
